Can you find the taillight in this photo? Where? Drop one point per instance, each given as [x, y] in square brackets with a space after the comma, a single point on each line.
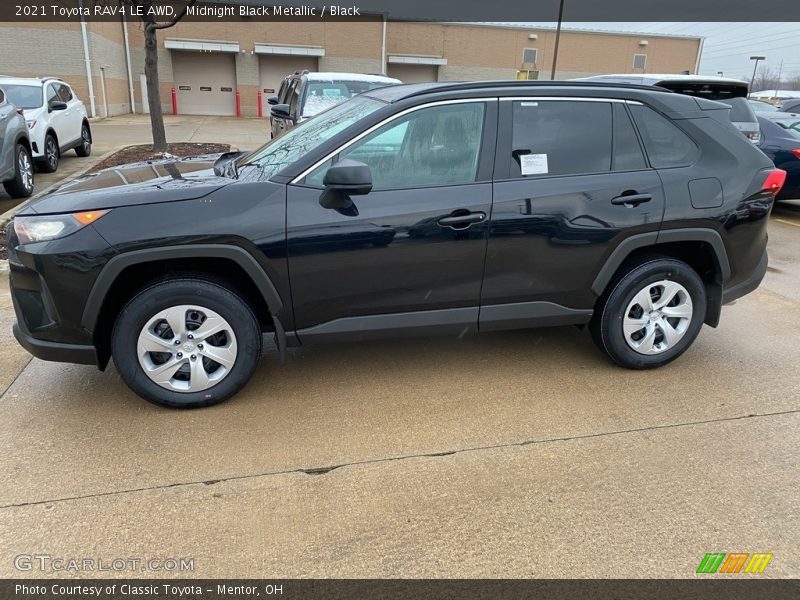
[774, 181]
[796, 152]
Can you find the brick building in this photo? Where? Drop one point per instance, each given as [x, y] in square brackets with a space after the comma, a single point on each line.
[207, 63]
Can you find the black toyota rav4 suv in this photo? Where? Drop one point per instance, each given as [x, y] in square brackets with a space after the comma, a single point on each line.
[409, 210]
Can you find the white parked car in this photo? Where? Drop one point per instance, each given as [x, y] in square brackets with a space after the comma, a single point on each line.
[56, 118]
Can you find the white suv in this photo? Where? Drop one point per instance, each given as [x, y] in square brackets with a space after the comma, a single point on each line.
[55, 116]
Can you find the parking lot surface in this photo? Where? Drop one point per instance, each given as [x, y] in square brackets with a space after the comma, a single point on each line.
[518, 454]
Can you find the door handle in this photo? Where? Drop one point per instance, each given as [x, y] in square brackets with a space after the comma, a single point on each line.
[631, 199]
[462, 221]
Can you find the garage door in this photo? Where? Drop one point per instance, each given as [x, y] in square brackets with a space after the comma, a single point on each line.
[205, 82]
[273, 68]
[413, 73]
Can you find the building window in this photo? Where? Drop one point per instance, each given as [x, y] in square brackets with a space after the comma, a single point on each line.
[529, 56]
[525, 74]
[639, 61]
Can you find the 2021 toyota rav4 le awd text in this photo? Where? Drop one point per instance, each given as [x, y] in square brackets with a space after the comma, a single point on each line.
[419, 209]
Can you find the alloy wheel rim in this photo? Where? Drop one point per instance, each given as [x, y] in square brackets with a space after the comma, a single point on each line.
[51, 153]
[25, 171]
[657, 317]
[186, 348]
[85, 136]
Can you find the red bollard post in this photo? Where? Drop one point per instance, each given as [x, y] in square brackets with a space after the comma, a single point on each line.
[174, 102]
[238, 104]
[260, 107]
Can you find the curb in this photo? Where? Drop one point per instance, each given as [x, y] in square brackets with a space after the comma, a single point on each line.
[9, 214]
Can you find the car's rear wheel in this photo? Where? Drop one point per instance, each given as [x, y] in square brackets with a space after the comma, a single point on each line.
[85, 149]
[186, 343]
[49, 163]
[651, 315]
[22, 184]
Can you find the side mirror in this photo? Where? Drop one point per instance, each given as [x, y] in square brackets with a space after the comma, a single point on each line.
[57, 105]
[273, 100]
[280, 111]
[349, 176]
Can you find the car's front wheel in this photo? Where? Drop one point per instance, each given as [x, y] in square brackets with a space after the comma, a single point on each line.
[49, 163]
[85, 148]
[652, 313]
[22, 184]
[186, 343]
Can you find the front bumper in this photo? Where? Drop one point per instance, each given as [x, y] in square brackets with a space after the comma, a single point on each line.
[56, 351]
[748, 285]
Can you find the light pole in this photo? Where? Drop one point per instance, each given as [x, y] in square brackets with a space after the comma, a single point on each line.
[755, 66]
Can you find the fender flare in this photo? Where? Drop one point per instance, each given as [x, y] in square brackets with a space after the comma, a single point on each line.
[643, 240]
[118, 263]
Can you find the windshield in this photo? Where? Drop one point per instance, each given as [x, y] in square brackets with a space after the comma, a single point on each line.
[709, 90]
[759, 106]
[279, 153]
[322, 95]
[792, 126]
[24, 96]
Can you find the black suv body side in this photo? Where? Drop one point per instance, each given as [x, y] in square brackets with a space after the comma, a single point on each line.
[537, 205]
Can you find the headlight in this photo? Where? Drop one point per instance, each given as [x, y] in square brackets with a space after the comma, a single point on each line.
[31, 123]
[42, 228]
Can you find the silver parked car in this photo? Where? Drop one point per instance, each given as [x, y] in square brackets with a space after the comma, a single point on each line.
[16, 164]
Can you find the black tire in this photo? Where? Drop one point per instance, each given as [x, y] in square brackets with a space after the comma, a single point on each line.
[22, 184]
[190, 291]
[85, 149]
[606, 326]
[52, 155]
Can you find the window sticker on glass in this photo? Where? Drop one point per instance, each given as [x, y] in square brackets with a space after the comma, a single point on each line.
[533, 164]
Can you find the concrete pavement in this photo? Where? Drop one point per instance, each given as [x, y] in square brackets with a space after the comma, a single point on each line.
[512, 454]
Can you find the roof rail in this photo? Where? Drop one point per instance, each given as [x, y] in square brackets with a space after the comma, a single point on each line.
[521, 83]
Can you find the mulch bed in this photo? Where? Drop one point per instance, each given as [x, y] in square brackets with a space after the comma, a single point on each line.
[144, 152]
[141, 153]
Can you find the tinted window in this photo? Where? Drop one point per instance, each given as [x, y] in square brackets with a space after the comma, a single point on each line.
[431, 146]
[667, 146]
[294, 95]
[561, 137]
[2, 97]
[628, 154]
[792, 126]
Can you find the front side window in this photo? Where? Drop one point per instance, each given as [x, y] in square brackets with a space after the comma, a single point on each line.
[286, 149]
[666, 145]
[439, 145]
[52, 95]
[64, 93]
[560, 137]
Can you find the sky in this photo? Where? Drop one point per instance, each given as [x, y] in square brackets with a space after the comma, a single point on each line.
[728, 46]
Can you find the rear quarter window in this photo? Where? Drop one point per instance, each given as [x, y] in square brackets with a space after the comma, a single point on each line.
[666, 145]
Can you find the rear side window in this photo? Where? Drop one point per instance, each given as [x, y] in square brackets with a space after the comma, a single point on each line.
[560, 137]
[628, 154]
[666, 145]
[2, 97]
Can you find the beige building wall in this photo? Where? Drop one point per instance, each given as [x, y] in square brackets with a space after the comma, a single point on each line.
[470, 52]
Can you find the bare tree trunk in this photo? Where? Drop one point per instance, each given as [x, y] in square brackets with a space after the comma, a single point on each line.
[153, 91]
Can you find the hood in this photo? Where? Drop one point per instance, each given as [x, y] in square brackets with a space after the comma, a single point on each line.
[148, 182]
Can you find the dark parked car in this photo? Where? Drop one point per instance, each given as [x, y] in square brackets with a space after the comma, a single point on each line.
[780, 141]
[304, 95]
[790, 105]
[16, 162]
[439, 208]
